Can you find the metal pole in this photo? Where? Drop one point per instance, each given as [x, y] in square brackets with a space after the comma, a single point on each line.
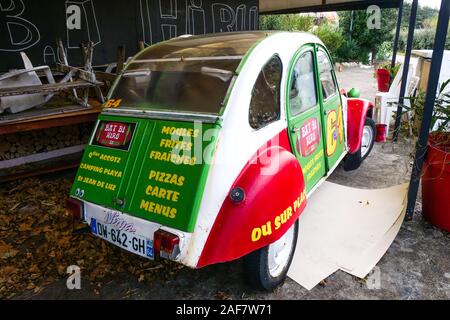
[409, 44]
[351, 24]
[433, 82]
[397, 34]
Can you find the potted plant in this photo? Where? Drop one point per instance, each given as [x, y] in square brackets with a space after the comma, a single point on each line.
[436, 173]
[385, 74]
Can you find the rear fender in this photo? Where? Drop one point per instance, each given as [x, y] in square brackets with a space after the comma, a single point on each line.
[357, 111]
[275, 196]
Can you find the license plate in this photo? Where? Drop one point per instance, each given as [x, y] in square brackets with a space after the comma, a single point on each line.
[123, 239]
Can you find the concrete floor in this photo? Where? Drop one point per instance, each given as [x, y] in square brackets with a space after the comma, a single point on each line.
[417, 265]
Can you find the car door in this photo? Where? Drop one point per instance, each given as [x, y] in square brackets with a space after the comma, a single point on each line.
[331, 105]
[304, 116]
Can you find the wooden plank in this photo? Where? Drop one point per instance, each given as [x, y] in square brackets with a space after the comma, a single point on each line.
[105, 76]
[45, 167]
[48, 121]
[46, 88]
[80, 73]
[41, 156]
[120, 59]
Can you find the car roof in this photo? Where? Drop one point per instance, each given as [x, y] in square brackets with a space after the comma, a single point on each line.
[227, 44]
[210, 45]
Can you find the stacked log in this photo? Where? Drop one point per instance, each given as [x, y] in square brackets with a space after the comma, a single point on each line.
[23, 144]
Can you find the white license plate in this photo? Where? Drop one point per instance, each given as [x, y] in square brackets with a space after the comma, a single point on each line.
[123, 239]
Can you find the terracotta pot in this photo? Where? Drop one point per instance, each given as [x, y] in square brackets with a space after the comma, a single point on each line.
[436, 181]
[384, 78]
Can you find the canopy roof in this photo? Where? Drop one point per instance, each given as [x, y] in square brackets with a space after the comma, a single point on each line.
[292, 6]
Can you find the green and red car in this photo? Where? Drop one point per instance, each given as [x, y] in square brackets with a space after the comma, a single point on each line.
[209, 147]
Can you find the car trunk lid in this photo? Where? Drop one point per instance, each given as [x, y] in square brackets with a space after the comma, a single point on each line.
[151, 169]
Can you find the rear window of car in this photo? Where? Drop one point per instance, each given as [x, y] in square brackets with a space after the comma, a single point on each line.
[191, 74]
[198, 86]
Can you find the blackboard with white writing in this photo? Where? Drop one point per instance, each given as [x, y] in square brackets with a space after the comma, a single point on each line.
[33, 26]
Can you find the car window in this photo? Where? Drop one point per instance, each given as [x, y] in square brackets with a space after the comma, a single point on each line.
[198, 86]
[186, 74]
[326, 75]
[265, 102]
[303, 94]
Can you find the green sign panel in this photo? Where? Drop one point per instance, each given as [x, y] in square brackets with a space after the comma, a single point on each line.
[152, 169]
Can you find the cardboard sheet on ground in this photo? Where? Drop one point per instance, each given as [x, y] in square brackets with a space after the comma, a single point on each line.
[346, 228]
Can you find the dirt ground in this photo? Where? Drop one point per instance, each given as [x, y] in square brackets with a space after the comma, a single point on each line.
[417, 266]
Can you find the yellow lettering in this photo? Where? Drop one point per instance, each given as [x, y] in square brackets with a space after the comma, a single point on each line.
[332, 133]
[256, 234]
[277, 222]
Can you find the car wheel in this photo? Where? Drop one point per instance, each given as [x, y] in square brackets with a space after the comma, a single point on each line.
[353, 161]
[266, 268]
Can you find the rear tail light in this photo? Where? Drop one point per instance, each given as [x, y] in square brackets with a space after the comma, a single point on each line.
[166, 245]
[75, 209]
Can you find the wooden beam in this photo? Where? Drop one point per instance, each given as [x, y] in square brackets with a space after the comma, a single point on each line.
[46, 88]
[298, 6]
[120, 59]
[105, 76]
[49, 121]
[37, 169]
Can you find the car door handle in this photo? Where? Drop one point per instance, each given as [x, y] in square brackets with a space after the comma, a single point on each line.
[295, 130]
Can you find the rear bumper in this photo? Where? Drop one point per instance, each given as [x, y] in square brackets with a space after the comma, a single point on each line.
[134, 225]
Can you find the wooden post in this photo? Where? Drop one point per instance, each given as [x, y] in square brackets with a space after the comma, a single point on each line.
[120, 59]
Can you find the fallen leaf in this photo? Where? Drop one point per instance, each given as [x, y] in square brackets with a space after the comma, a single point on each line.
[4, 247]
[10, 254]
[24, 227]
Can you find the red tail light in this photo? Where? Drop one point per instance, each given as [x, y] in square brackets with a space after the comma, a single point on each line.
[74, 208]
[166, 245]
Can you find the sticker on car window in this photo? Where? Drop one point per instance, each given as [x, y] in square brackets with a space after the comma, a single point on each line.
[116, 135]
[113, 103]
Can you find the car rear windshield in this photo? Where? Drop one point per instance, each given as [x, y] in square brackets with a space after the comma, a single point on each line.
[184, 75]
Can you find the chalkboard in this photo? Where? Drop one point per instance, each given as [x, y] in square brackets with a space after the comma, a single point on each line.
[33, 26]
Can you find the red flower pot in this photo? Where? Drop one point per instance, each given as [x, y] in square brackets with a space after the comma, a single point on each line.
[436, 181]
[384, 78]
[381, 133]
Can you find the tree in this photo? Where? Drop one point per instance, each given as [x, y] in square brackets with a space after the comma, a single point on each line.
[286, 22]
[354, 28]
[332, 37]
[424, 13]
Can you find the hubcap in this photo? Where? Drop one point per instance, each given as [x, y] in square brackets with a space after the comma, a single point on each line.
[279, 253]
[367, 139]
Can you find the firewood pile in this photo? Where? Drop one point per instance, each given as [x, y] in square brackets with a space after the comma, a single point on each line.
[23, 144]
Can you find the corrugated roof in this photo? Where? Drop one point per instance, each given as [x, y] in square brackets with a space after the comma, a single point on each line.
[291, 6]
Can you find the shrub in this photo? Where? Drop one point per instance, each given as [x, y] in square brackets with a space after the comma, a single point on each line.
[385, 51]
[350, 51]
[332, 38]
[286, 22]
[423, 39]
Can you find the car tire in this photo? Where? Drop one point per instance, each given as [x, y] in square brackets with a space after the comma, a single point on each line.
[353, 161]
[260, 267]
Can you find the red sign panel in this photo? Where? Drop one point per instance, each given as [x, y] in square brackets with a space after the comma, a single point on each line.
[309, 137]
[114, 134]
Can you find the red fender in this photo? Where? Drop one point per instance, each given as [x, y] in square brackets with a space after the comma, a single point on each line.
[275, 196]
[357, 110]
